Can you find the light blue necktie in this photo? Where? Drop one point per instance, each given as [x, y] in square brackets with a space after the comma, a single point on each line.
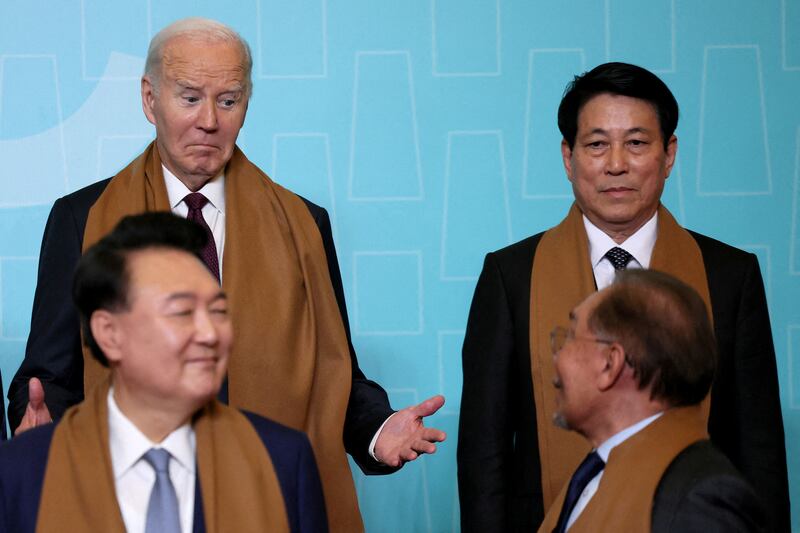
[162, 510]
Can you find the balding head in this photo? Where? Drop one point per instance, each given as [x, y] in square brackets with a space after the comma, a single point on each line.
[198, 29]
[664, 328]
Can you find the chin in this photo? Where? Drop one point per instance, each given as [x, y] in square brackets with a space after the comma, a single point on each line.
[560, 421]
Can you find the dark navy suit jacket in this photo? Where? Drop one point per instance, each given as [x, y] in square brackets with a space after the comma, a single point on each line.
[499, 474]
[23, 461]
[53, 353]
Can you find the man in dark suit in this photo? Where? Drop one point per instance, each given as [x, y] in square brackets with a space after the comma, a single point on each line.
[2, 414]
[618, 124]
[272, 251]
[151, 311]
[631, 372]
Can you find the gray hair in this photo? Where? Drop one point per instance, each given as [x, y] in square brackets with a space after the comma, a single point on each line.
[196, 28]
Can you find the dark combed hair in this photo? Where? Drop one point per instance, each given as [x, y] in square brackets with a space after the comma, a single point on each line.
[102, 277]
[664, 327]
[619, 79]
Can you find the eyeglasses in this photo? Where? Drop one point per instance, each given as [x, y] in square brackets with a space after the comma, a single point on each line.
[560, 335]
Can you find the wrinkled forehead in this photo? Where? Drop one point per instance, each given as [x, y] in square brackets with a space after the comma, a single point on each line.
[192, 56]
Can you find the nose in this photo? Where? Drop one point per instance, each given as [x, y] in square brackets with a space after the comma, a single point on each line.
[206, 330]
[616, 163]
[207, 120]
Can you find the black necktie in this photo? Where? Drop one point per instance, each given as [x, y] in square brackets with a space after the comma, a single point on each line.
[195, 201]
[618, 257]
[590, 467]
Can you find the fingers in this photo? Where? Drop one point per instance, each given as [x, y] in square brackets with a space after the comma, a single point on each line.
[35, 393]
[429, 406]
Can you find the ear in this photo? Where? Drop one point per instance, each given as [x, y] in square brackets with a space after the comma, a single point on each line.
[614, 365]
[107, 333]
[566, 157]
[148, 99]
[672, 152]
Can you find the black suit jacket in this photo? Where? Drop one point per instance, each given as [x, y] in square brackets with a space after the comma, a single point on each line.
[23, 462]
[53, 352]
[2, 414]
[499, 474]
[702, 492]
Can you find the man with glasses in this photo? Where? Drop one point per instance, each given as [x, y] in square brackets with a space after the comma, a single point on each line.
[618, 124]
[631, 373]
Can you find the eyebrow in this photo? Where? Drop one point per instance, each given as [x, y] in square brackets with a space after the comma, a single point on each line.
[192, 296]
[186, 84]
[601, 131]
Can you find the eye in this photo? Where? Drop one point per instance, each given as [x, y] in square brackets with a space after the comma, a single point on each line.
[191, 99]
[596, 145]
[637, 142]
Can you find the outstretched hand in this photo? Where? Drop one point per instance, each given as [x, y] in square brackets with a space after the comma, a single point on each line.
[405, 437]
[36, 413]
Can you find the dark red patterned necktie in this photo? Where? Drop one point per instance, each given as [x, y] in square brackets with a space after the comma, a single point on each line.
[195, 201]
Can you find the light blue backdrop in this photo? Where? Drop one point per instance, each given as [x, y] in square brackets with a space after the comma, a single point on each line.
[427, 128]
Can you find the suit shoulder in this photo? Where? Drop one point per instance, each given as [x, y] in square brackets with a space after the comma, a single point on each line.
[703, 459]
[712, 249]
[28, 451]
[84, 198]
[702, 487]
[315, 210]
[520, 251]
[272, 432]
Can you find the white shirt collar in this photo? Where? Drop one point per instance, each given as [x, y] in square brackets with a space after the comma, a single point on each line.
[615, 440]
[128, 444]
[639, 245]
[214, 190]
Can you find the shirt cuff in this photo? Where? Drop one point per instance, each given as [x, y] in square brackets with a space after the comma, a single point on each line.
[375, 439]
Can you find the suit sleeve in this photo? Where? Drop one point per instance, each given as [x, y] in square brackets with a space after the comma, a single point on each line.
[485, 430]
[368, 406]
[761, 452]
[310, 498]
[53, 352]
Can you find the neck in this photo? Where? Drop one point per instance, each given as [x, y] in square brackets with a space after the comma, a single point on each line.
[619, 233]
[155, 418]
[621, 415]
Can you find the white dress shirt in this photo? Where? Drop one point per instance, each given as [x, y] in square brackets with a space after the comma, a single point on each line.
[639, 245]
[603, 451]
[134, 477]
[213, 211]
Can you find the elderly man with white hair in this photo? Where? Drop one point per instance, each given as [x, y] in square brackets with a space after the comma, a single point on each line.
[272, 251]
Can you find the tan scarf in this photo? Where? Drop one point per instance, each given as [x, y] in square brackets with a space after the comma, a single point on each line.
[624, 498]
[290, 360]
[238, 482]
[561, 278]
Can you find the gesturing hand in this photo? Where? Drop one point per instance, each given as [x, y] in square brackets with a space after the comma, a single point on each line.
[405, 437]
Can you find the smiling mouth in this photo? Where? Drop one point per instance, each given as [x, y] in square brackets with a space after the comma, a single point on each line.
[204, 360]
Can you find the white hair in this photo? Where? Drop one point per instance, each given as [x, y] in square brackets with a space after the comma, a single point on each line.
[196, 28]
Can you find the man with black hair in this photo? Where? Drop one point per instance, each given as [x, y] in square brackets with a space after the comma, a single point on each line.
[618, 122]
[151, 449]
[631, 371]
